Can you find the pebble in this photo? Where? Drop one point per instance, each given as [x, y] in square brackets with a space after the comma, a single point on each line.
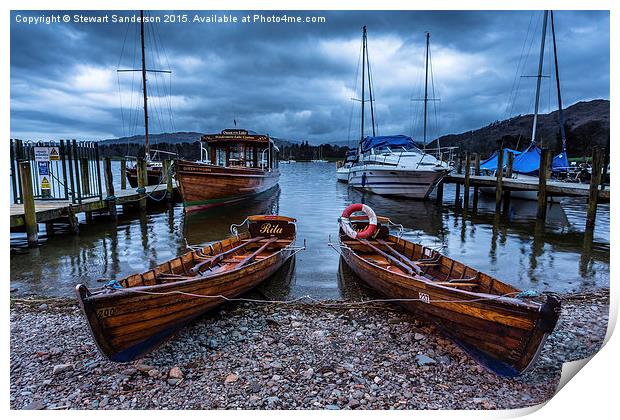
[422, 360]
[58, 369]
[231, 378]
[357, 358]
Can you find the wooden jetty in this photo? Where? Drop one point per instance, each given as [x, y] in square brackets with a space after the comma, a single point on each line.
[595, 192]
[28, 214]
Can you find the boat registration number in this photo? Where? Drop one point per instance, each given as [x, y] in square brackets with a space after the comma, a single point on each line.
[424, 297]
[105, 312]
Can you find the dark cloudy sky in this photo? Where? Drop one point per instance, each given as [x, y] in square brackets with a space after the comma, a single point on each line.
[296, 81]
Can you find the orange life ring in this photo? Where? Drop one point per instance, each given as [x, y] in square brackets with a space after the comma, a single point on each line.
[345, 222]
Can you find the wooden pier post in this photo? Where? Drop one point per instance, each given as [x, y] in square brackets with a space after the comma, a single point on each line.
[542, 183]
[439, 197]
[142, 176]
[167, 168]
[85, 182]
[109, 187]
[457, 186]
[595, 181]
[123, 174]
[466, 186]
[74, 225]
[30, 215]
[476, 173]
[500, 177]
[509, 162]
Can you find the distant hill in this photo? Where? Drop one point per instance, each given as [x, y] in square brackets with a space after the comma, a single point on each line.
[586, 124]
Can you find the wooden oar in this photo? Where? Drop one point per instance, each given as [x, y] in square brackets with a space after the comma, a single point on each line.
[396, 261]
[197, 268]
[253, 255]
[400, 256]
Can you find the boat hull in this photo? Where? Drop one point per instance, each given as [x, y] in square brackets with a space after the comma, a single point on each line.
[342, 174]
[153, 176]
[204, 186]
[416, 184]
[503, 334]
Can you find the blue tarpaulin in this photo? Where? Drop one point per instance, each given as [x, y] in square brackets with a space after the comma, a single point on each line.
[387, 141]
[491, 162]
[560, 162]
[528, 162]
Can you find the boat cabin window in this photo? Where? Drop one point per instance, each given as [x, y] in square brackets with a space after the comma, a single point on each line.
[238, 148]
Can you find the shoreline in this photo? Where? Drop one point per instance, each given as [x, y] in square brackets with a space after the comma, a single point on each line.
[285, 356]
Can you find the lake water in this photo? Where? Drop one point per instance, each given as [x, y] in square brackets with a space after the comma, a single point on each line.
[514, 248]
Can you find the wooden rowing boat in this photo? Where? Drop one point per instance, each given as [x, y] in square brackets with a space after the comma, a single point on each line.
[486, 317]
[131, 316]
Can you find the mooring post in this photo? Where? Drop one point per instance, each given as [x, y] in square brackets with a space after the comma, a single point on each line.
[74, 225]
[476, 173]
[109, 187]
[30, 215]
[594, 186]
[457, 186]
[123, 174]
[542, 184]
[85, 174]
[141, 173]
[167, 168]
[509, 162]
[439, 197]
[467, 175]
[499, 176]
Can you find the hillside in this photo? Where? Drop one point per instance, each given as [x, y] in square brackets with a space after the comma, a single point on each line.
[586, 123]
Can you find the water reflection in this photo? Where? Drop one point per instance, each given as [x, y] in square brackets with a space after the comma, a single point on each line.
[512, 246]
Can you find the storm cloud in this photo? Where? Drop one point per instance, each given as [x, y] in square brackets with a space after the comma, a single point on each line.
[295, 80]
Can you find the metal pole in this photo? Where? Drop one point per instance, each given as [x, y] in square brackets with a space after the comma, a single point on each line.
[428, 35]
[146, 112]
[539, 76]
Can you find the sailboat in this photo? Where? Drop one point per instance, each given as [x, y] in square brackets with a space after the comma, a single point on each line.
[392, 165]
[154, 167]
[526, 164]
[319, 156]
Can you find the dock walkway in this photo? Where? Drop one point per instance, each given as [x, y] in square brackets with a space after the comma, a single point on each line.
[49, 210]
[554, 188]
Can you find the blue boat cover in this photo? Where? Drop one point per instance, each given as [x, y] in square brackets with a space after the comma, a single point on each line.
[527, 162]
[491, 162]
[389, 141]
[560, 162]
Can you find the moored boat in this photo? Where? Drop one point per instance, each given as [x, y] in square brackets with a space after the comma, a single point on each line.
[237, 166]
[131, 316]
[497, 324]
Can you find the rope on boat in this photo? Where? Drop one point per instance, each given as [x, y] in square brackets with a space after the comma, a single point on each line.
[319, 302]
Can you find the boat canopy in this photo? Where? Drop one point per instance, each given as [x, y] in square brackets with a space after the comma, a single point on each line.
[387, 141]
[236, 136]
[528, 162]
[491, 162]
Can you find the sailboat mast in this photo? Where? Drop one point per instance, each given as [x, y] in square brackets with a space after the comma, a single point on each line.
[146, 112]
[372, 108]
[539, 76]
[557, 82]
[428, 35]
[363, 79]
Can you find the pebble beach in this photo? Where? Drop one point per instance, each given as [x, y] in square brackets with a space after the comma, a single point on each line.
[336, 355]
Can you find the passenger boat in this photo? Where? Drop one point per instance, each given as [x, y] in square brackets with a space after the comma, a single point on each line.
[131, 316]
[235, 166]
[493, 321]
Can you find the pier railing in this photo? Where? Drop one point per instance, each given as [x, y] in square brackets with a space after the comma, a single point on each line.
[64, 170]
